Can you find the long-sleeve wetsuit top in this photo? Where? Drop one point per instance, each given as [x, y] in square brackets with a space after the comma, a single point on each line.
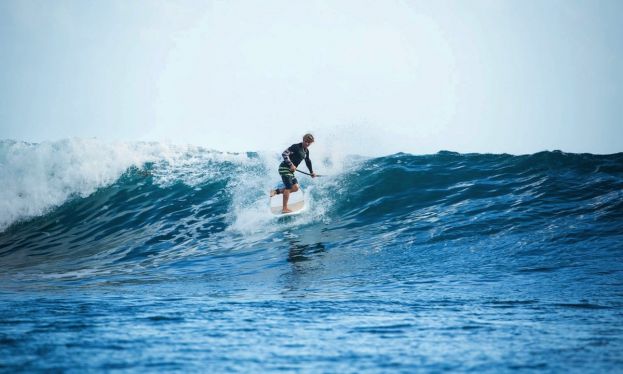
[294, 155]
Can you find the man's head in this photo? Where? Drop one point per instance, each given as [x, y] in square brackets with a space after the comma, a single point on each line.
[307, 140]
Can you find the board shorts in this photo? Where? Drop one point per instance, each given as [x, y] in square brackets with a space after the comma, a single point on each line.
[287, 177]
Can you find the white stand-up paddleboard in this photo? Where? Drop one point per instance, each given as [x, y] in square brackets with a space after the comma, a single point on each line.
[296, 203]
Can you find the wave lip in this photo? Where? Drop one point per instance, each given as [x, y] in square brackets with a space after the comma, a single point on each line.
[37, 178]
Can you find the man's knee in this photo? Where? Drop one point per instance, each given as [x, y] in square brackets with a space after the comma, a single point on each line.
[294, 188]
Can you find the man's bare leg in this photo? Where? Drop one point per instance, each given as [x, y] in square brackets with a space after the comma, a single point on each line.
[286, 196]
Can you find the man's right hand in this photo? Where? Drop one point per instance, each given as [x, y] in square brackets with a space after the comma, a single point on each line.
[293, 168]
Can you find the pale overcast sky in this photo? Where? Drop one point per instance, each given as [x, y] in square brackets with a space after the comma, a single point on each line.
[374, 77]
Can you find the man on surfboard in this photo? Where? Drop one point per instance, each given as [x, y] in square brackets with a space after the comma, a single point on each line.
[292, 157]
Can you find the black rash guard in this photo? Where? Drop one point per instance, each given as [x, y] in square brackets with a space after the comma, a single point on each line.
[294, 155]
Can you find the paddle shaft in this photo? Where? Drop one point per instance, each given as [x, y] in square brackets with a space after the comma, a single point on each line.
[307, 173]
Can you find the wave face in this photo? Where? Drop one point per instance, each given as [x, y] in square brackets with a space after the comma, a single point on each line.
[400, 255]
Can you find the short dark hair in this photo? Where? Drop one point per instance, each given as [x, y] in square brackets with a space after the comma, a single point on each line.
[308, 138]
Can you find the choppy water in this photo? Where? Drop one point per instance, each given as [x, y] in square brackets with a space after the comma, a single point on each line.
[144, 257]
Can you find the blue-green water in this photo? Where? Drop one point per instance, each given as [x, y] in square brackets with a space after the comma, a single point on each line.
[402, 263]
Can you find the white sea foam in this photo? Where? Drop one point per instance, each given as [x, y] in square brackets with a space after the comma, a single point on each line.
[35, 178]
[194, 165]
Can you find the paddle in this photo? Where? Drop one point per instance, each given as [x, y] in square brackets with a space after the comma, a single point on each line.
[302, 172]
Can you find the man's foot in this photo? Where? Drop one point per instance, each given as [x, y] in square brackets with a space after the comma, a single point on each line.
[286, 211]
[273, 193]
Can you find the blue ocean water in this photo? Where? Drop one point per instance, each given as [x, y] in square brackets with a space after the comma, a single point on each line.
[147, 257]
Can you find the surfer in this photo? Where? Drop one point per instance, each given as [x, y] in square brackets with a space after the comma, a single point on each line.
[292, 157]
